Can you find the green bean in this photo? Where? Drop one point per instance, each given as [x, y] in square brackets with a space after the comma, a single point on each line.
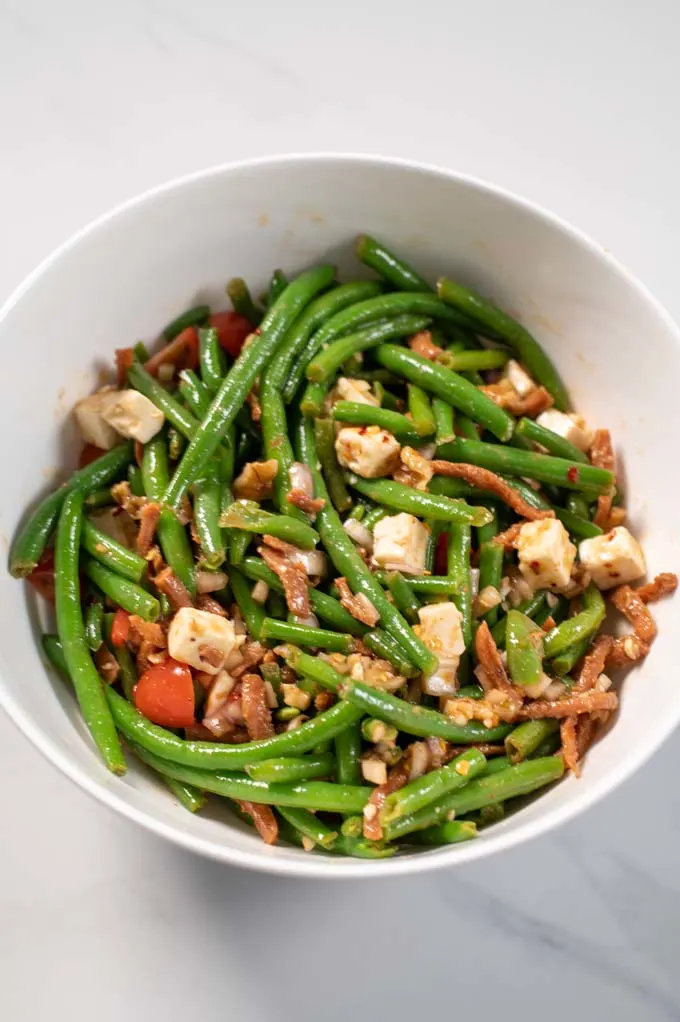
[358, 511]
[528, 464]
[483, 791]
[111, 553]
[249, 516]
[172, 536]
[174, 412]
[192, 317]
[277, 445]
[374, 730]
[414, 720]
[325, 364]
[307, 824]
[443, 421]
[375, 515]
[71, 628]
[54, 651]
[557, 612]
[240, 378]
[298, 349]
[466, 427]
[352, 826]
[578, 505]
[277, 285]
[531, 607]
[238, 543]
[447, 486]
[252, 611]
[435, 528]
[524, 645]
[449, 833]
[382, 306]
[128, 669]
[207, 499]
[518, 337]
[553, 442]
[450, 386]
[565, 661]
[399, 497]
[141, 352]
[433, 786]
[93, 624]
[458, 555]
[124, 593]
[404, 598]
[580, 528]
[323, 796]
[420, 410]
[324, 434]
[287, 713]
[186, 794]
[490, 564]
[304, 635]
[194, 393]
[428, 585]
[357, 414]
[212, 360]
[581, 626]
[286, 769]
[526, 738]
[31, 539]
[216, 756]
[349, 564]
[135, 481]
[474, 361]
[99, 498]
[496, 765]
[348, 755]
[387, 648]
[240, 297]
[360, 848]
[389, 266]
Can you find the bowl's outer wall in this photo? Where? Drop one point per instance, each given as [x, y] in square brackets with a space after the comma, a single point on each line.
[124, 279]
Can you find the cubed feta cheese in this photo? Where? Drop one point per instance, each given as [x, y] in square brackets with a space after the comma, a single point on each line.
[570, 427]
[546, 555]
[133, 415]
[440, 629]
[201, 639]
[519, 378]
[400, 543]
[367, 450]
[612, 559]
[355, 390]
[89, 415]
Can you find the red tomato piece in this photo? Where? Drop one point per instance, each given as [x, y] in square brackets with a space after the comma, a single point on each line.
[124, 359]
[120, 629]
[182, 352]
[165, 694]
[42, 576]
[441, 556]
[232, 330]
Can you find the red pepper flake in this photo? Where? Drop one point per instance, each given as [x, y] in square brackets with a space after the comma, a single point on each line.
[572, 474]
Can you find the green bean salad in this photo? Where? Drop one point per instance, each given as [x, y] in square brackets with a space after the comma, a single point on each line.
[340, 556]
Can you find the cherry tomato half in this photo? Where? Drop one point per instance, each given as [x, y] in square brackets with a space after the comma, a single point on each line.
[165, 694]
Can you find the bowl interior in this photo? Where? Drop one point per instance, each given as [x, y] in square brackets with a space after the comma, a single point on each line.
[124, 278]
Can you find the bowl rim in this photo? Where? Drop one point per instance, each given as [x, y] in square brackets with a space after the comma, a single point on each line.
[307, 865]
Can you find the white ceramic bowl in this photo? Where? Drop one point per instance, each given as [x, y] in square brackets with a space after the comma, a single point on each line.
[130, 272]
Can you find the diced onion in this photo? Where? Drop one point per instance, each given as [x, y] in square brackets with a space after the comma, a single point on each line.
[260, 592]
[313, 561]
[540, 688]
[555, 690]
[311, 621]
[362, 536]
[210, 581]
[474, 582]
[301, 478]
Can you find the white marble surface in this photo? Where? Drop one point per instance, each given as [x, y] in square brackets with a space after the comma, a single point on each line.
[574, 105]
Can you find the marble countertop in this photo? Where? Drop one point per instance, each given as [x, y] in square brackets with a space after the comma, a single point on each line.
[576, 107]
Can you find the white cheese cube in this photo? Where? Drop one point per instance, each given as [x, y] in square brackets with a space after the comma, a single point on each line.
[89, 415]
[133, 415]
[355, 390]
[201, 639]
[440, 629]
[612, 559]
[444, 681]
[400, 543]
[570, 427]
[519, 378]
[546, 555]
[369, 451]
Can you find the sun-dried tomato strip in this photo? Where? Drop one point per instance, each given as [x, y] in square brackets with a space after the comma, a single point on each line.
[256, 713]
[148, 518]
[486, 480]
[587, 702]
[293, 578]
[264, 819]
[358, 605]
[593, 664]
